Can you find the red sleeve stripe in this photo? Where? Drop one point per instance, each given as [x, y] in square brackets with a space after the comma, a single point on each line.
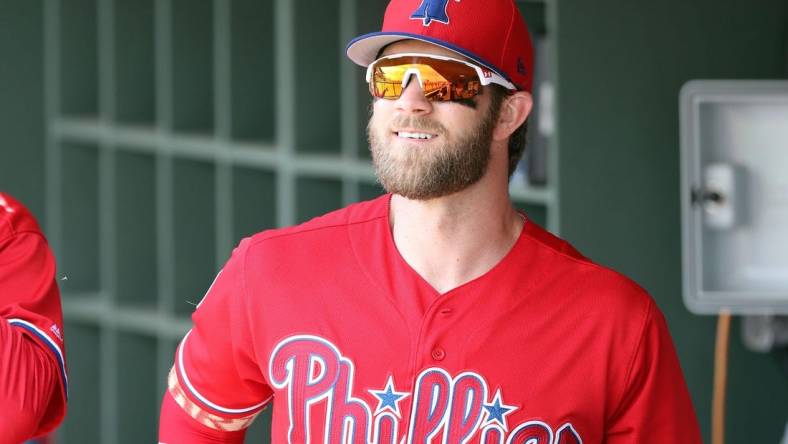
[193, 391]
[51, 344]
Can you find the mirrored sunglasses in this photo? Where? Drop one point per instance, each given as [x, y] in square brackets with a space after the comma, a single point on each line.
[441, 78]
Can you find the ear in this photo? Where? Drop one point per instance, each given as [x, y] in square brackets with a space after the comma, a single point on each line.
[514, 110]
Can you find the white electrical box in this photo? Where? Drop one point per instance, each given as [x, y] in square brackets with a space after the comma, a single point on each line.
[734, 196]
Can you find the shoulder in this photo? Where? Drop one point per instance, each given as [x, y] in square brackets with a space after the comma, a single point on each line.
[585, 283]
[15, 218]
[326, 226]
[306, 242]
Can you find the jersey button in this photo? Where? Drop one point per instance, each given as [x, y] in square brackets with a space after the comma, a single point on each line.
[446, 311]
[438, 354]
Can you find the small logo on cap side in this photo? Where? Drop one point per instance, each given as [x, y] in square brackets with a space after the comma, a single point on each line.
[521, 66]
[430, 10]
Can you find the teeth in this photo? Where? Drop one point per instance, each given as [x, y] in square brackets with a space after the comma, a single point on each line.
[414, 135]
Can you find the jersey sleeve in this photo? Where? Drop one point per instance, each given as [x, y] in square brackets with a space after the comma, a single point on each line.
[30, 307]
[28, 383]
[656, 405]
[176, 426]
[216, 378]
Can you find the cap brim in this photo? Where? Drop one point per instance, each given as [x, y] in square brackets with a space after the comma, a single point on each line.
[364, 49]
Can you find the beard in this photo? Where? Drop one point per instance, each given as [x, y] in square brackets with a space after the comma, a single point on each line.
[423, 173]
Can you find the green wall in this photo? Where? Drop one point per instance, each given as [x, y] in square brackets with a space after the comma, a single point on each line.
[22, 102]
[621, 67]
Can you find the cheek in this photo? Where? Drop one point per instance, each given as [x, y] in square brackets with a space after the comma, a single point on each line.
[375, 125]
[382, 109]
[381, 116]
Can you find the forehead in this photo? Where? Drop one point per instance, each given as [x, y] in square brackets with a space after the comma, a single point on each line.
[405, 46]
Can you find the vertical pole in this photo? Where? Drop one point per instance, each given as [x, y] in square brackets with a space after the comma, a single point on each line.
[720, 378]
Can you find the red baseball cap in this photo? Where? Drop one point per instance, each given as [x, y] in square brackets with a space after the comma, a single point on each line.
[491, 33]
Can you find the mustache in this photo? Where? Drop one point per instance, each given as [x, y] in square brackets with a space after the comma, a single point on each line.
[418, 123]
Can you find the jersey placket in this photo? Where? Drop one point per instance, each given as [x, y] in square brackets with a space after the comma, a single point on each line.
[435, 363]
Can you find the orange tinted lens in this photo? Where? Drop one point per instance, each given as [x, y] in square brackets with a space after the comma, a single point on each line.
[442, 80]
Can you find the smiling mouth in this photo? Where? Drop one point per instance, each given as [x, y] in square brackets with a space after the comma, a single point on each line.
[414, 135]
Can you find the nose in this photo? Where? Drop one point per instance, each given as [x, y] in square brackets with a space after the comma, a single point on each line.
[412, 99]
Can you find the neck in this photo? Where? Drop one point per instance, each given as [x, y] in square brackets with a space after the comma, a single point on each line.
[454, 239]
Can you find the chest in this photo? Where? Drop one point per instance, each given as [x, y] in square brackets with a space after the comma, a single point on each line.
[354, 363]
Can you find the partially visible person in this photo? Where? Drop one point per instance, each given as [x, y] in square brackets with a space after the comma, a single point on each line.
[33, 381]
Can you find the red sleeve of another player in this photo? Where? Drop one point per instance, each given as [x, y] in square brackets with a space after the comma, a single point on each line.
[216, 379]
[32, 346]
[29, 398]
[656, 405]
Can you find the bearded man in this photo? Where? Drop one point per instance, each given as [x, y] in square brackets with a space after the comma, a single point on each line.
[438, 312]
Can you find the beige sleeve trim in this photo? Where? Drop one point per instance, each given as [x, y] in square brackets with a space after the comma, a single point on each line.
[200, 415]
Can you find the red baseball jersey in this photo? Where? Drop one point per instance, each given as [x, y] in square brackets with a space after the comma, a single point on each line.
[327, 322]
[32, 359]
